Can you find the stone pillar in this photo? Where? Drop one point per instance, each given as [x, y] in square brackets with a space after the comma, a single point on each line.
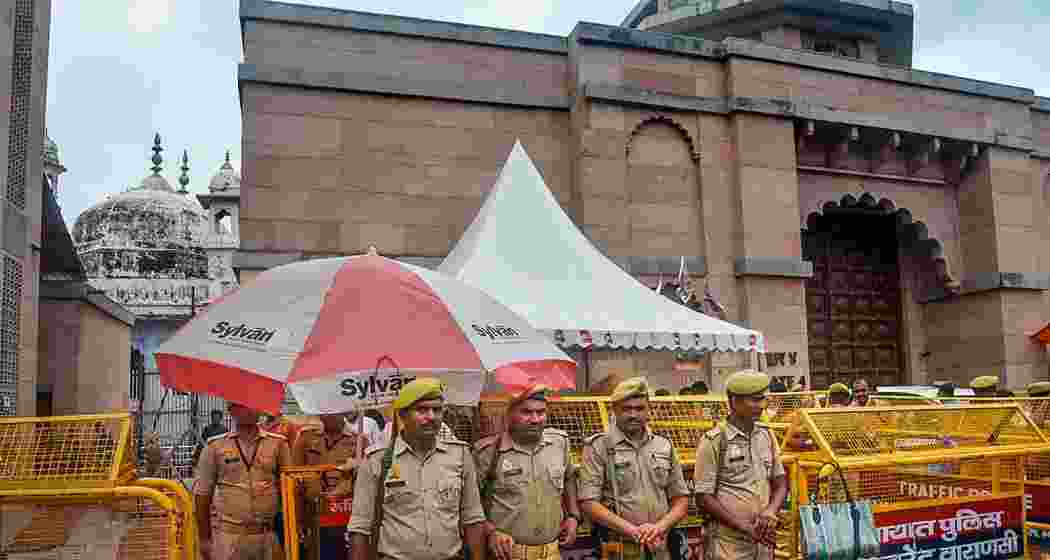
[768, 250]
[986, 330]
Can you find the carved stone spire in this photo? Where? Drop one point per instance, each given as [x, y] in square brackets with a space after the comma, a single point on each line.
[157, 160]
[184, 179]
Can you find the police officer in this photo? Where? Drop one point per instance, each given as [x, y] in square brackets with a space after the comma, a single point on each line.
[426, 488]
[526, 476]
[838, 395]
[328, 445]
[739, 479]
[242, 470]
[631, 481]
[985, 386]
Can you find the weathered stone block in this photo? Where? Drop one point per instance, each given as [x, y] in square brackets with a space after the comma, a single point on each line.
[294, 135]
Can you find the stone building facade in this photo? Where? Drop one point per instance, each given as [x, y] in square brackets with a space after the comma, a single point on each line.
[871, 219]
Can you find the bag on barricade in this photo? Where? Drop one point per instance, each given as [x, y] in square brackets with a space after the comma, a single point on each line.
[840, 530]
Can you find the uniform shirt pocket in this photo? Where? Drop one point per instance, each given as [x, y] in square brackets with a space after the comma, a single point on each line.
[448, 491]
[738, 459]
[625, 469]
[399, 496]
[661, 468]
[557, 476]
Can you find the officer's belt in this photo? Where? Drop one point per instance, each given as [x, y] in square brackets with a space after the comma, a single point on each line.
[625, 550]
[244, 529]
[534, 552]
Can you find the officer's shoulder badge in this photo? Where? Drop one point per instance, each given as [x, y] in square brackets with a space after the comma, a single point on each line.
[593, 438]
[556, 432]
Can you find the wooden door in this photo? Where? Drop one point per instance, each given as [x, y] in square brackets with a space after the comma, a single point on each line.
[853, 301]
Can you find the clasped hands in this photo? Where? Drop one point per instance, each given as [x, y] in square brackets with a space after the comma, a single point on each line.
[763, 528]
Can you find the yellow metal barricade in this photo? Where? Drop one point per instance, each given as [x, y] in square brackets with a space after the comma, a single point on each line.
[68, 487]
[943, 481]
[317, 502]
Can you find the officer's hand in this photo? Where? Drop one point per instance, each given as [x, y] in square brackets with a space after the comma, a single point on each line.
[206, 549]
[766, 524]
[634, 533]
[501, 543]
[651, 534]
[567, 535]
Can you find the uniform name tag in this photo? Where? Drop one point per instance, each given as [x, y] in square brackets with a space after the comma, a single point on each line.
[737, 458]
[513, 472]
[395, 483]
[231, 460]
[314, 451]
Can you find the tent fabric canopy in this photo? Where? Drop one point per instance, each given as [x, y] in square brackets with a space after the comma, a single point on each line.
[523, 250]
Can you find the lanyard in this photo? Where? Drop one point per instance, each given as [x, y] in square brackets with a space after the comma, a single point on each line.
[255, 452]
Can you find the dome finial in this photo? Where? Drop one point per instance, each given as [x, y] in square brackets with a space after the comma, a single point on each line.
[157, 160]
[184, 179]
[227, 156]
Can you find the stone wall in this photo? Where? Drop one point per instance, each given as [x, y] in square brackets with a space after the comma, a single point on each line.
[103, 367]
[84, 358]
[334, 172]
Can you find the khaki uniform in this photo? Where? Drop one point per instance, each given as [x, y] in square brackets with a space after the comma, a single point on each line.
[744, 487]
[426, 503]
[244, 477]
[647, 478]
[525, 496]
[315, 447]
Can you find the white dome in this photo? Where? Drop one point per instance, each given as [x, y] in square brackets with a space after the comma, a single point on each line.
[226, 178]
[143, 218]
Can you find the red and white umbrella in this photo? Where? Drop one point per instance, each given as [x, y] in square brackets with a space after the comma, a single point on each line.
[323, 328]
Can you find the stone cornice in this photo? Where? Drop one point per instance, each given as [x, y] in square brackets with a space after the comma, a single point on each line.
[594, 33]
[784, 267]
[281, 12]
[479, 92]
[784, 107]
[988, 281]
[83, 292]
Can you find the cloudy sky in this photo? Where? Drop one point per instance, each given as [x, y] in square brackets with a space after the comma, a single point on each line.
[121, 70]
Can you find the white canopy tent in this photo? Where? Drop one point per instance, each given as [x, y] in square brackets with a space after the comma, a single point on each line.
[523, 250]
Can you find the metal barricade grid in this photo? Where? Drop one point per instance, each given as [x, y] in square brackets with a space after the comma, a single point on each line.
[782, 407]
[580, 418]
[60, 452]
[461, 420]
[861, 432]
[128, 528]
[950, 478]
[682, 421]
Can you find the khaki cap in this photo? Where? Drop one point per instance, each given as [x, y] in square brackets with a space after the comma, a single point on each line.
[1039, 389]
[630, 389]
[984, 382]
[838, 388]
[422, 389]
[533, 392]
[746, 383]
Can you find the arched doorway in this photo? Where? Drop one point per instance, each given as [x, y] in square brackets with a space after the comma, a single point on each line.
[854, 299]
